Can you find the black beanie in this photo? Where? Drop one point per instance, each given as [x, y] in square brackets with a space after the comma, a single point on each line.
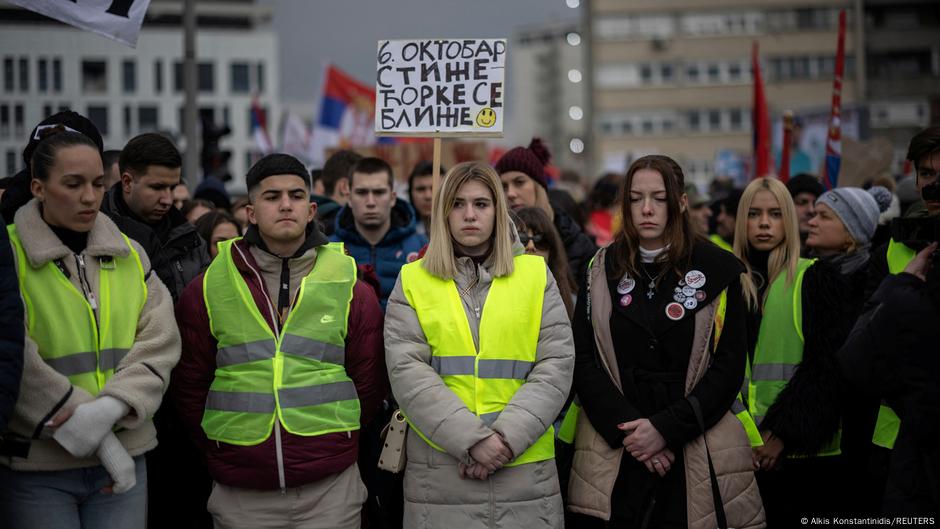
[804, 183]
[276, 164]
[71, 121]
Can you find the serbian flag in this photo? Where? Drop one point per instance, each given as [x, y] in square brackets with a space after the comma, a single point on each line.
[834, 141]
[760, 118]
[346, 114]
[259, 128]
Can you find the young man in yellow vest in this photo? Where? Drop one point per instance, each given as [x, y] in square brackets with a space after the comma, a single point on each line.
[282, 362]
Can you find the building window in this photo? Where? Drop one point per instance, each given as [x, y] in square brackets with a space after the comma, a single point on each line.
[692, 73]
[260, 75]
[714, 119]
[11, 162]
[129, 76]
[94, 77]
[734, 71]
[148, 119]
[714, 73]
[226, 116]
[736, 119]
[4, 120]
[668, 126]
[240, 78]
[24, 74]
[626, 127]
[8, 73]
[647, 126]
[42, 77]
[64, 107]
[128, 126]
[646, 74]
[206, 77]
[99, 116]
[665, 73]
[57, 75]
[695, 122]
[18, 120]
[158, 76]
[46, 110]
[178, 77]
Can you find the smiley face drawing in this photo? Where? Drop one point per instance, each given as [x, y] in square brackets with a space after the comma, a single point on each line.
[486, 118]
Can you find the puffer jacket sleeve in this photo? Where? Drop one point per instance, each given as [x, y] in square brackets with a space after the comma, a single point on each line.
[431, 407]
[534, 407]
[193, 376]
[143, 375]
[12, 331]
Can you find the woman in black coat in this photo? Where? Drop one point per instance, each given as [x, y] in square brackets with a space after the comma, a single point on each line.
[659, 275]
[892, 354]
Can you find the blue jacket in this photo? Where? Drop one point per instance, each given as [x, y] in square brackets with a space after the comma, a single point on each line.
[399, 246]
[12, 331]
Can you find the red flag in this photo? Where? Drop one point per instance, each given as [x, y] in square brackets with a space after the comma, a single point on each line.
[760, 121]
[784, 173]
[834, 141]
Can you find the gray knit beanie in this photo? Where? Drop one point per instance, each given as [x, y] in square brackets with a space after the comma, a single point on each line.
[858, 209]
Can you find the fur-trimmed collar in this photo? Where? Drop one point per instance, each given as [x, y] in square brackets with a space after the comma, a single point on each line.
[41, 244]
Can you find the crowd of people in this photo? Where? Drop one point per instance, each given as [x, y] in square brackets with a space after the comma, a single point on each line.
[654, 356]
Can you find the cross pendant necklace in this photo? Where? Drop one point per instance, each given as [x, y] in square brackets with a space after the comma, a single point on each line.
[651, 290]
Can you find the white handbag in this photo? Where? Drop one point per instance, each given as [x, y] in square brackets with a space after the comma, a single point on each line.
[393, 458]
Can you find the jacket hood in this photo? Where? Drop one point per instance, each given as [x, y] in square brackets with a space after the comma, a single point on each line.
[41, 244]
[314, 238]
[402, 226]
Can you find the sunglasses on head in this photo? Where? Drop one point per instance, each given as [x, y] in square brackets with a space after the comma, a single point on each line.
[538, 239]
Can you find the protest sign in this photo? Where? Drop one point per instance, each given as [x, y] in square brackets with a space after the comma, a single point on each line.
[440, 87]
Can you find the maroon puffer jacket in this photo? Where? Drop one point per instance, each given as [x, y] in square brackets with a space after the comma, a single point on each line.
[306, 459]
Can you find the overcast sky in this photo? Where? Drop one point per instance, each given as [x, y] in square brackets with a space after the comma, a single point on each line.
[345, 32]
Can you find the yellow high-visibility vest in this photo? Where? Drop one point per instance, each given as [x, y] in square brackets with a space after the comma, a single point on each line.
[298, 376]
[509, 333]
[60, 319]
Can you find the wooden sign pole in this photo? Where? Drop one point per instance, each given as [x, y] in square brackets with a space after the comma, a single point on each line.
[436, 174]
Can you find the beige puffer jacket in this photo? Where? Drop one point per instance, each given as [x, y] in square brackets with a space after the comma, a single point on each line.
[521, 497]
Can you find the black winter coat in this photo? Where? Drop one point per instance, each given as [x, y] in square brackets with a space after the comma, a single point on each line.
[579, 247]
[808, 411]
[653, 355]
[12, 331]
[892, 353]
[178, 254]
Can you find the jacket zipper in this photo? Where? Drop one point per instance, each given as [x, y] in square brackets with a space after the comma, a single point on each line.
[278, 449]
[86, 286]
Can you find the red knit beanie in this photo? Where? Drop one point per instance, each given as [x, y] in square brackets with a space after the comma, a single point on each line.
[531, 161]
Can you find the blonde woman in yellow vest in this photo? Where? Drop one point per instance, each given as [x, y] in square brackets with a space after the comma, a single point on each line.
[101, 341]
[660, 353]
[811, 426]
[479, 355]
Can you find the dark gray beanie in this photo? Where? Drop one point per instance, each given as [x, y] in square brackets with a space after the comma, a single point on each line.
[858, 209]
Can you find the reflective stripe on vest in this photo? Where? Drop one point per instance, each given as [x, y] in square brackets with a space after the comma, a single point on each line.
[62, 322]
[721, 243]
[298, 376]
[508, 335]
[888, 423]
[779, 349]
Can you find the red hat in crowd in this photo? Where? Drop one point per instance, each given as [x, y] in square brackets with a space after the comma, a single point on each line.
[530, 160]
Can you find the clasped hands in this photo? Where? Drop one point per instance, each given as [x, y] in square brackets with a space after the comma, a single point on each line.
[644, 442]
[489, 455]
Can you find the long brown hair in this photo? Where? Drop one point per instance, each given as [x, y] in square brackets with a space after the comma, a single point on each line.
[537, 221]
[678, 236]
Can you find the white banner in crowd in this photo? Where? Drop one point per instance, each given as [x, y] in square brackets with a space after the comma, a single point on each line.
[440, 87]
[116, 19]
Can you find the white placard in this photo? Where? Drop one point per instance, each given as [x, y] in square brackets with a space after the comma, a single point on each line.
[116, 19]
[440, 87]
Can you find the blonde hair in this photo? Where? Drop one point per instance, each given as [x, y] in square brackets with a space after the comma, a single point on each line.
[542, 202]
[439, 259]
[782, 258]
